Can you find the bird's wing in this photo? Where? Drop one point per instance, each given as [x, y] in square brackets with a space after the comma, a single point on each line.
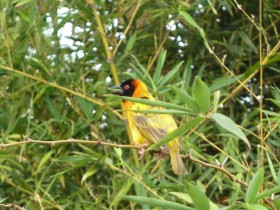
[152, 126]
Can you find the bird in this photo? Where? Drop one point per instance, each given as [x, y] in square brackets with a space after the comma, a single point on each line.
[148, 128]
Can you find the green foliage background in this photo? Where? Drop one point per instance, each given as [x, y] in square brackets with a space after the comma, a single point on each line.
[54, 86]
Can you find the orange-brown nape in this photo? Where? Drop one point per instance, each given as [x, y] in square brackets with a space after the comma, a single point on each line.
[150, 128]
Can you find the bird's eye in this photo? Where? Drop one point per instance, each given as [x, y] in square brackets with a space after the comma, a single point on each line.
[126, 87]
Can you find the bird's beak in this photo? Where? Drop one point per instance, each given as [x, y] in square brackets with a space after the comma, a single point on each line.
[117, 90]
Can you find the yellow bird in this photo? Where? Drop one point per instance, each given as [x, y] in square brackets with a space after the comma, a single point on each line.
[149, 128]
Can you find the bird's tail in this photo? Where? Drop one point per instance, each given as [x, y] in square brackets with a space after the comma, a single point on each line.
[177, 163]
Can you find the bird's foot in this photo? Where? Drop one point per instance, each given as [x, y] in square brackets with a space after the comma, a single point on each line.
[160, 154]
[142, 150]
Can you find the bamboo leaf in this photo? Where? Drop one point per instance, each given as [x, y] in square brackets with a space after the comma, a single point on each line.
[271, 167]
[254, 187]
[170, 75]
[160, 63]
[268, 193]
[154, 103]
[130, 43]
[88, 173]
[227, 123]
[156, 202]
[201, 94]
[257, 207]
[187, 99]
[199, 199]
[45, 158]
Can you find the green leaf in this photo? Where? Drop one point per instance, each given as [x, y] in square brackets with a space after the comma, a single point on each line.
[140, 190]
[86, 107]
[201, 94]
[230, 126]
[257, 207]
[162, 111]
[156, 202]
[141, 71]
[160, 63]
[23, 2]
[52, 107]
[224, 81]
[46, 157]
[130, 43]
[187, 99]
[187, 198]
[199, 199]
[123, 191]
[217, 95]
[271, 167]
[89, 173]
[192, 22]
[276, 102]
[248, 41]
[268, 193]
[187, 73]
[154, 103]
[174, 134]
[183, 196]
[170, 74]
[254, 187]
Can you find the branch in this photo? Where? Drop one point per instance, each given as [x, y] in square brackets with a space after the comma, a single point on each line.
[219, 167]
[67, 141]
[12, 206]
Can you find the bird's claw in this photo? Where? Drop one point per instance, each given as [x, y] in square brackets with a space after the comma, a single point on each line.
[160, 154]
[142, 150]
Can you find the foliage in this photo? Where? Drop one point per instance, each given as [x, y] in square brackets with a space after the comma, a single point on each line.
[215, 64]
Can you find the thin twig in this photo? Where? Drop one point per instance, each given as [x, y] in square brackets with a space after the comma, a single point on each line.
[138, 5]
[12, 206]
[219, 167]
[150, 65]
[261, 135]
[220, 150]
[67, 141]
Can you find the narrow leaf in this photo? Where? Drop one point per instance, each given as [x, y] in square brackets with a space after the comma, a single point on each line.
[217, 95]
[254, 187]
[43, 161]
[52, 107]
[183, 196]
[154, 103]
[187, 99]
[130, 43]
[187, 73]
[248, 41]
[200, 200]
[174, 134]
[160, 63]
[257, 207]
[88, 173]
[156, 202]
[201, 94]
[192, 22]
[162, 111]
[230, 126]
[268, 193]
[271, 167]
[170, 74]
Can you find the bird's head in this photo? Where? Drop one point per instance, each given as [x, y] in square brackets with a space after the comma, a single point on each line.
[130, 88]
